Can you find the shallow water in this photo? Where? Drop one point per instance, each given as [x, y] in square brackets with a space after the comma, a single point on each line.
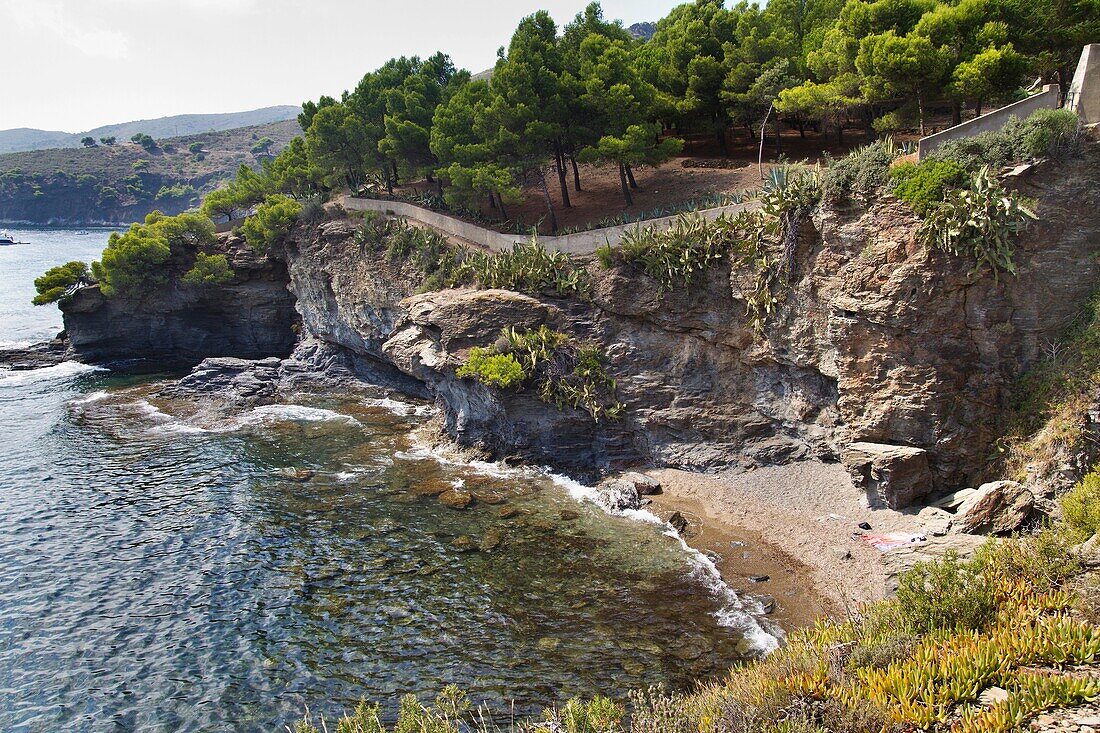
[166, 565]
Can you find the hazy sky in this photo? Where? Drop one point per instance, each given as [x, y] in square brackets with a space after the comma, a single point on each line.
[76, 64]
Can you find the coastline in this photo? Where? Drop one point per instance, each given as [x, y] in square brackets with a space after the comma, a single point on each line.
[799, 525]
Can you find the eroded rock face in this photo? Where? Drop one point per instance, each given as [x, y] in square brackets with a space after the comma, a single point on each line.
[250, 318]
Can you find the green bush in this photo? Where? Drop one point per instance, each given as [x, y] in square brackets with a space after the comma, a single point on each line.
[598, 715]
[527, 268]
[57, 281]
[1081, 505]
[272, 220]
[138, 259]
[496, 370]
[946, 594]
[1051, 132]
[924, 185]
[862, 175]
[208, 270]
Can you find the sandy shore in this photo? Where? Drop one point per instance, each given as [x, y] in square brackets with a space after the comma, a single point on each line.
[799, 525]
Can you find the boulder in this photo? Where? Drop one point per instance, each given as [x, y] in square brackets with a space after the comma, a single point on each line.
[999, 507]
[935, 521]
[646, 485]
[678, 522]
[616, 496]
[891, 475]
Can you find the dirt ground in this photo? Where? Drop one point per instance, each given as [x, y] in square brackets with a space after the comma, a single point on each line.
[692, 175]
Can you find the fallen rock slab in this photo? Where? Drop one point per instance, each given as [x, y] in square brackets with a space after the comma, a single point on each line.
[999, 507]
[894, 476]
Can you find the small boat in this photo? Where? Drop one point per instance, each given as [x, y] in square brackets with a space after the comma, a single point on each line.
[82, 233]
[6, 238]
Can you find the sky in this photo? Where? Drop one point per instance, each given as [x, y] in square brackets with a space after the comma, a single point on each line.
[73, 65]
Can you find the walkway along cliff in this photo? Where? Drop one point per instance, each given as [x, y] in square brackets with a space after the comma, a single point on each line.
[880, 339]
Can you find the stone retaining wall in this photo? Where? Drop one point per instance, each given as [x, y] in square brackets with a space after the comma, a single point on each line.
[580, 243]
[1049, 98]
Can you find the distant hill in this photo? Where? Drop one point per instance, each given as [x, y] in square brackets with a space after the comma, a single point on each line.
[644, 31]
[23, 138]
[123, 182]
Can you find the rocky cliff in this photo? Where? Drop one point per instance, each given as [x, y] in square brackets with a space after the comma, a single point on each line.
[251, 317]
[879, 340]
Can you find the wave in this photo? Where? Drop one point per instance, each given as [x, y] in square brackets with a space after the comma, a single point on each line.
[293, 413]
[14, 345]
[57, 372]
[742, 614]
[399, 408]
[99, 394]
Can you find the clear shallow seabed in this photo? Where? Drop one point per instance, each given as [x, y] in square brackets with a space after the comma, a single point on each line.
[163, 566]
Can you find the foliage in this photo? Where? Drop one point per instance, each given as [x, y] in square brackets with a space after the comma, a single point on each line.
[862, 175]
[88, 141]
[562, 372]
[140, 258]
[496, 370]
[1051, 132]
[946, 594]
[262, 145]
[1054, 397]
[58, 281]
[924, 185]
[145, 141]
[272, 220]
[208, 270]
[979, 222]
[598, 715]
[1081, 505]
[675, 256]
[527, 268]
[237, 196]
[1054, 133]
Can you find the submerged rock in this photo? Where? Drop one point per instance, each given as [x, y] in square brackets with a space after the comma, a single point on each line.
[464, 543]
[456, 498]
[678, 522]
[491, 539]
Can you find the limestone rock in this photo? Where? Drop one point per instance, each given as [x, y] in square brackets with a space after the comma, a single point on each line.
[995, 508]
[616, 496]
[646, 485]
[935, 521]
[891, 475]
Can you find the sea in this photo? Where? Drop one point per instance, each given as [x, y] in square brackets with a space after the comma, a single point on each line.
[168, 565]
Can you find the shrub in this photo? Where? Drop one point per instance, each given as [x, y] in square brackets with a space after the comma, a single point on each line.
[1052, 132]
[312, 211]
[981, 222]
[564, 374]
[947, 594]
[527, 268]
[57, 281]
[208, 270]
[137, 260]
[272, 220]
[861, 175]
[598, 715]
[1081, 505]
[675, 256]
[924, 185]
[496, 370]
[195, 148]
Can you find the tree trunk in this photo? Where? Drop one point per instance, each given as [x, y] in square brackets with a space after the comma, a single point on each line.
[956, 113]
[752, 133]
[576, 173]
[549, 203]
[492, 201]
[559, 165]
[503, 211]
[396, 180]
[439, 187]
[978, 108]
[802, 129]
[626, 189]
[840, 132]
[778, 137]
[722, 141]
[630, 176]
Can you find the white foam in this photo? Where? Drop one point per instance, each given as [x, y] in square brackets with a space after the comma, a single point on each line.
[345, 475]
[13, 345]
[294, 413]
[91, 397]
[401, 409]
[57, 372]
[735, 612]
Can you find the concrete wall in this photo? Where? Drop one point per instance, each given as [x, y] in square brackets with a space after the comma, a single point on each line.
[578, 244]
[1084, 93]
[995, 120]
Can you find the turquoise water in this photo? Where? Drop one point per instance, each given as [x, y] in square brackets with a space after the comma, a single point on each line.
[173, 565]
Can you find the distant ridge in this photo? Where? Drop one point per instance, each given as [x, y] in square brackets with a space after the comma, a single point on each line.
[24, 138]
[644, 31]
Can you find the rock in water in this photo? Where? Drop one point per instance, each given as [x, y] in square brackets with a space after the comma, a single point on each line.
[995, 508]
[491, 540]
[678, 522]
[616, 496]
[456, 498]
[891, 475]
[645, 485]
